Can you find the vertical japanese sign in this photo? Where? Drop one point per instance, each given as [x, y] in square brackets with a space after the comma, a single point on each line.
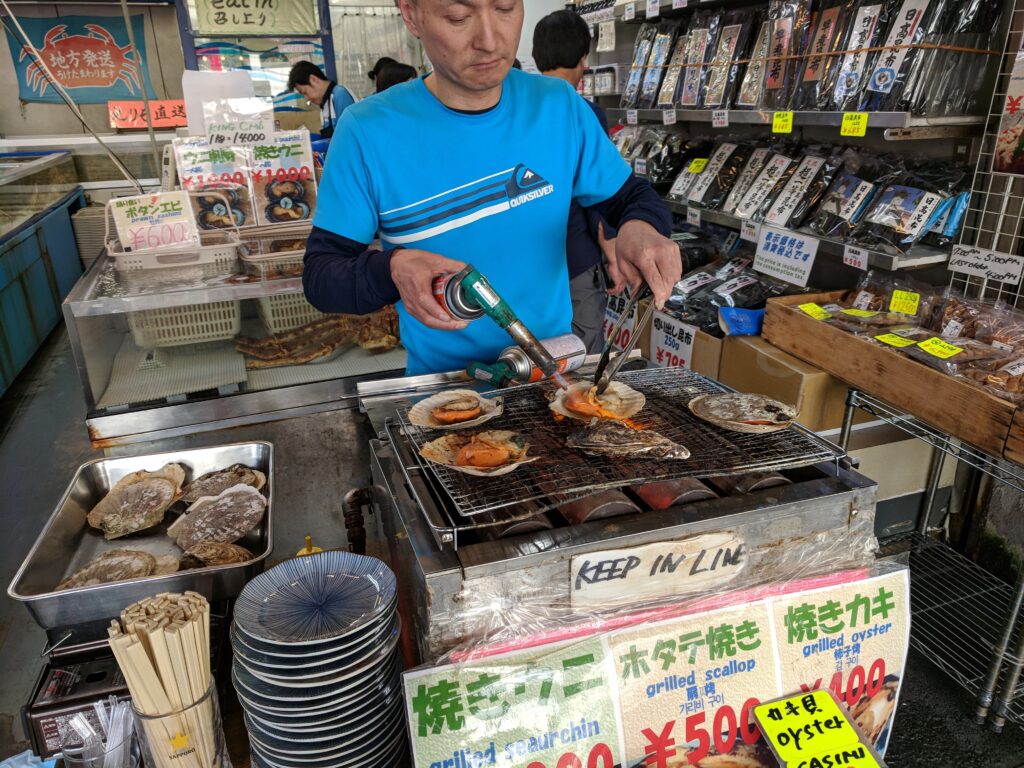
[256, 17]
[91, 57]
[616, 306]
[671, 341]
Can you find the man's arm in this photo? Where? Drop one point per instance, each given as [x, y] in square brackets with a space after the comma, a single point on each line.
[341, 275]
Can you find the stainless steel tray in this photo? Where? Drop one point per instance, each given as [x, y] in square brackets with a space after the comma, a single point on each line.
[66, 542]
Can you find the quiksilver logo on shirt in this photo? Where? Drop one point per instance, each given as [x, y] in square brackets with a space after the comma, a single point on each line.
[463, 205]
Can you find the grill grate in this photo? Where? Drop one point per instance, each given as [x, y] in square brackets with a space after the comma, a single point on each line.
[568, 473]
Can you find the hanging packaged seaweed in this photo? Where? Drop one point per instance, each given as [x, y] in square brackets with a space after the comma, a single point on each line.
[723, 75]
[900, 214]
[766, 186]
[702, 32]
[753, 79]
[866, 29]
[641, 52]
[661, 48]
[850, 194]
[828, 35]
[892, 65]
[721, 173]
[805, 188]
[668, 94]
[789, 19]
[750, 171]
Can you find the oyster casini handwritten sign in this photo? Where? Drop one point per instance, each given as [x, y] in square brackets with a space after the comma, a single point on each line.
[256, 17]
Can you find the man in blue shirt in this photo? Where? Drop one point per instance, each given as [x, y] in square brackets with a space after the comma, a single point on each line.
[459, 166]
[561, 42]
[333, 99]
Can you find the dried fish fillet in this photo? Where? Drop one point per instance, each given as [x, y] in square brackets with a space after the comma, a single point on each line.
[223, 519]
[115, 565]
[612, 438]
[213, 553]
[137, 501]
[213, 483]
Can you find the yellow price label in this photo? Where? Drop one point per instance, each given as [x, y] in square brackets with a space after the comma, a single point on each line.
[782, 122]
[904, 302]
[894, 341]
[806, 724]
[940, 348]
[853, 756]
[815, 311]
[854, 124]
[859, 312]
[698, 164]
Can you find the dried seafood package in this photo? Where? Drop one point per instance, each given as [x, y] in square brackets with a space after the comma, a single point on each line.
[752, 87]
[1006, 382]
[1002, 327]
[702, 33]
[734, 39]
[900, 214]
[661, 49]
[767, 185]
[850, 195]
[828, 32]
[641, 52]
[689, 292]
[953, 355]
[720, 175]
[693, 149]
[888, 78]
[949, 221]
[667, 158]
[668, 94]
[746, 179]
[802, 190]
[790, 20]
[848, 79]
[879, 291]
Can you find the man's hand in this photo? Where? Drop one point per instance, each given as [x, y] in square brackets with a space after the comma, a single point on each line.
[643, 254]
[614, 273]
[413, 273]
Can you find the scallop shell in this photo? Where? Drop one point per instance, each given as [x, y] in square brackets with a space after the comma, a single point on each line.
[618, 398]
[444, 449]
[420, 413]
[727, 411]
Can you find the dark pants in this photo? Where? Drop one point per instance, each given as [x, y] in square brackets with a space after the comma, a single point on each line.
[589, 299]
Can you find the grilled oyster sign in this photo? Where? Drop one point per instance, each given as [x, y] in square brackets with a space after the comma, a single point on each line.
[665, 569]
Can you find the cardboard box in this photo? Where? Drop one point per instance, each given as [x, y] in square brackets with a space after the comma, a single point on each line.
[751, 364]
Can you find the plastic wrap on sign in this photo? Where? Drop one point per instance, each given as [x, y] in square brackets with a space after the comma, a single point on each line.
[284, 184]
[667, 684]
[641, 53]
[735, 37]
[224, 173]
[827, 35]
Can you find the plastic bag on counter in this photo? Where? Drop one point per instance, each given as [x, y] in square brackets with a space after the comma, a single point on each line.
[879, 291]
[955, 355]
[702, 33]
[790, 21]
[944, 81]
[752, 85]
[720, 174]
[767, 186]
[1002, 327]
[802, 190]
[850, 194]
[661, 49]
[849, 77]
[899, 215]
[668, 94]
[828, 32]
[641, 53]
[734, 41]
[746, 178]
[747, 290]
[891, 67]
[960, 316]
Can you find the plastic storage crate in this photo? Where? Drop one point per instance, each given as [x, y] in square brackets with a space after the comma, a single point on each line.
[174, 326]
[282, 313]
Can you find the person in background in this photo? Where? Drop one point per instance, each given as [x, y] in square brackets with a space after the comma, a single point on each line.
[333, 99]
[394, 73]
[561, 41]
[381, 63]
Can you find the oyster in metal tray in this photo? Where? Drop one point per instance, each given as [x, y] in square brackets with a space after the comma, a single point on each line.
[612, 438]
[137, 501]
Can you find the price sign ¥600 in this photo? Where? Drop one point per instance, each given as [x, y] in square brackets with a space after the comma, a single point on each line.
[151, 222]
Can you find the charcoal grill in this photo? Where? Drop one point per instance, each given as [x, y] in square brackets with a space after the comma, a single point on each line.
[443, 527]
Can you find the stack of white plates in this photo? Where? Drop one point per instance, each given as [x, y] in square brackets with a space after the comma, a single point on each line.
[316, 666]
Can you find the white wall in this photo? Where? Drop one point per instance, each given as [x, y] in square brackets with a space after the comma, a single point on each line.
[535, 10]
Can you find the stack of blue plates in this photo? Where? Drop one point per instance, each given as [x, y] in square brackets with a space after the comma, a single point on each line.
[316, 668]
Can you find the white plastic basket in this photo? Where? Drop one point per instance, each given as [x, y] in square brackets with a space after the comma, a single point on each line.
[273, 251]
[174, 326]
[282, 313]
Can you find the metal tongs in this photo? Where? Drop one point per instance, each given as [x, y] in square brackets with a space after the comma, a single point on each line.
[607, 367]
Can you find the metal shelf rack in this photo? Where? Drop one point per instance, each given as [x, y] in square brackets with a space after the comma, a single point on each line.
[919, 255]
[956, 604]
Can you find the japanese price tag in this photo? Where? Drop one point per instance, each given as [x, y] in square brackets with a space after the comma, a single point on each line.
[720, 118]
[629, 12]
[895, 341]
[640, 166]
[606, 37]
[815, 311]
[806, 724]
[676, 4]
[668, 117]
[904, 302]
[855, 257]
[786, 255]
[671, 341]
[283, 181]
[854, 124]
[749, 231]
[616, 306]
[693, 216]
[698, 164]
[631, 117]
[150, 222]
[238, 122]
[940, 348]
[859, 312]
[782, 122]
[653, 9]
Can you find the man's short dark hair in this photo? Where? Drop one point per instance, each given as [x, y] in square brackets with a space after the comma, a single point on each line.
[560, 40]
[301, 72]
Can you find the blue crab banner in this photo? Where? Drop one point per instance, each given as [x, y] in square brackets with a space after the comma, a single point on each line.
[89, 55]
